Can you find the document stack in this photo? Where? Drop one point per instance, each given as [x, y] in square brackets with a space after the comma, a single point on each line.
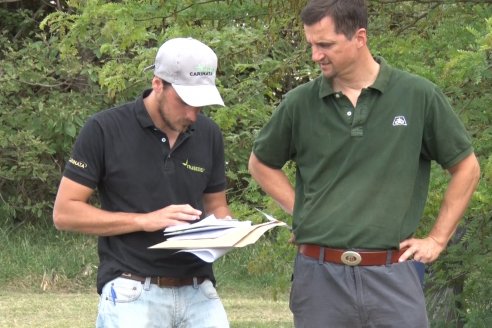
[211, 238]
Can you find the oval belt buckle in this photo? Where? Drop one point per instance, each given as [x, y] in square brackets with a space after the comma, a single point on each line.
[351, 258]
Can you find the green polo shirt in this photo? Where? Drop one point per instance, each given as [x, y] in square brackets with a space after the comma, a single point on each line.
[362, 173]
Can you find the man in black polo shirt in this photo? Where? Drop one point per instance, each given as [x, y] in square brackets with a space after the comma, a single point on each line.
[363, 135]
[155, 162]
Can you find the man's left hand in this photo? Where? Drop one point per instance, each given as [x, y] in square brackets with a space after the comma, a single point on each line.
[424, 250]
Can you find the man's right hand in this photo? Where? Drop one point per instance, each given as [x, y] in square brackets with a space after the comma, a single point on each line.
[168, 216]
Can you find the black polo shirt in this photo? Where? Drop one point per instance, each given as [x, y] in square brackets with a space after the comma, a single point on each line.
[120, 152]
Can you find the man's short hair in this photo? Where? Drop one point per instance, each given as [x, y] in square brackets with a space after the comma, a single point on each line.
[348, 15]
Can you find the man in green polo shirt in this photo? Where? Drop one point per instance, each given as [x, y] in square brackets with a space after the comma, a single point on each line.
[363, 136]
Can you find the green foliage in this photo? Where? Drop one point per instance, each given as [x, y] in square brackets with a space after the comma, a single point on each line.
[42, 106]
[39, 258]
[90, 55]
[22, 167]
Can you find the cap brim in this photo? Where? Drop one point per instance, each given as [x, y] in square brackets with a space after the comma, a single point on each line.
[199, 95]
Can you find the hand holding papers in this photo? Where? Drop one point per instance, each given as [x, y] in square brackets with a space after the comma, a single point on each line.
[210, 227]
[211, 238]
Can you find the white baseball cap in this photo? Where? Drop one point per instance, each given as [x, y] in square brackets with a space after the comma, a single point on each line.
[190, 66]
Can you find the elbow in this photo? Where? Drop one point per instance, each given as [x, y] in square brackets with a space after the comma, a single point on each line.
[58, 220]
[473, 173]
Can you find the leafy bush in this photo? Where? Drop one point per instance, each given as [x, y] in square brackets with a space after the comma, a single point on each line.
[90, 55]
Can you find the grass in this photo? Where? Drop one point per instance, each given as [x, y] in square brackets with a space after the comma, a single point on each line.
[47, 279]
[78, 310]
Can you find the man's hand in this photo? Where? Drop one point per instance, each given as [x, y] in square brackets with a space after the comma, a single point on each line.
[424, 250]
[168, 216]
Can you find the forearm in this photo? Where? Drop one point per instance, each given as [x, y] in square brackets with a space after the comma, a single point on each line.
[216, 204]
[72, 212]
[222, 212]
[82, 217]
[274, 182]
[464, 180]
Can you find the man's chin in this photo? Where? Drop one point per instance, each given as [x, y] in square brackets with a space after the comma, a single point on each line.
[327, 72]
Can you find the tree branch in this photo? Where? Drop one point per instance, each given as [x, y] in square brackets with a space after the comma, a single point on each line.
[43, 85]
[420, 17]
[179, 10]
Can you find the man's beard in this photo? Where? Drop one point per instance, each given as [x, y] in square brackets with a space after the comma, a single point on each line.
[328, 74]
[172, 126]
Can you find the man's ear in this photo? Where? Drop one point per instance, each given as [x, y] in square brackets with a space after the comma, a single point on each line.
[157, 84]
[361, 37]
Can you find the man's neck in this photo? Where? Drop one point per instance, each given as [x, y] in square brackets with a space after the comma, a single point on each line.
[360, 76]
[152, 107]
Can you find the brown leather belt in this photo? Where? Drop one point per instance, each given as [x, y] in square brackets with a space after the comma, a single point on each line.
[166, 281]
[351, 257]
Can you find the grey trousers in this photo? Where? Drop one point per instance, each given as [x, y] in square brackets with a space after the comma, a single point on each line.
[326, 295]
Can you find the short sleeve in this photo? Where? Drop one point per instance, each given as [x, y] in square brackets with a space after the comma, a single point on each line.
[217, 180]
[273, 146]
[445, 138]
[86, 163]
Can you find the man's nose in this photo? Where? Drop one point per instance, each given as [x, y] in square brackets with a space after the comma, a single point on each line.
[316, 54]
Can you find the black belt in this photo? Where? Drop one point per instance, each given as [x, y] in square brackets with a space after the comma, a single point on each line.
[166, 281]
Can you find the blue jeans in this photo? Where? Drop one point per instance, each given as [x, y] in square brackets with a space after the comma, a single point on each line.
[128, 303]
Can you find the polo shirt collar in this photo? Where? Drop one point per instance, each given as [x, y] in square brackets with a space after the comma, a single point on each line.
[325, 88]
[143, 116]
[381, 83]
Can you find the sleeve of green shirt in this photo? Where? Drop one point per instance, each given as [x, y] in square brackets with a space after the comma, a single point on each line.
[445, 138]
[274, 146]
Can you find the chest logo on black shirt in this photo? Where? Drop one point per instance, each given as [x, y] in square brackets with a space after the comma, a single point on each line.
[193, 168]
[399, 121]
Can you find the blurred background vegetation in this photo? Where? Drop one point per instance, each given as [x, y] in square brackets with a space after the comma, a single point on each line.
[63, 60]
